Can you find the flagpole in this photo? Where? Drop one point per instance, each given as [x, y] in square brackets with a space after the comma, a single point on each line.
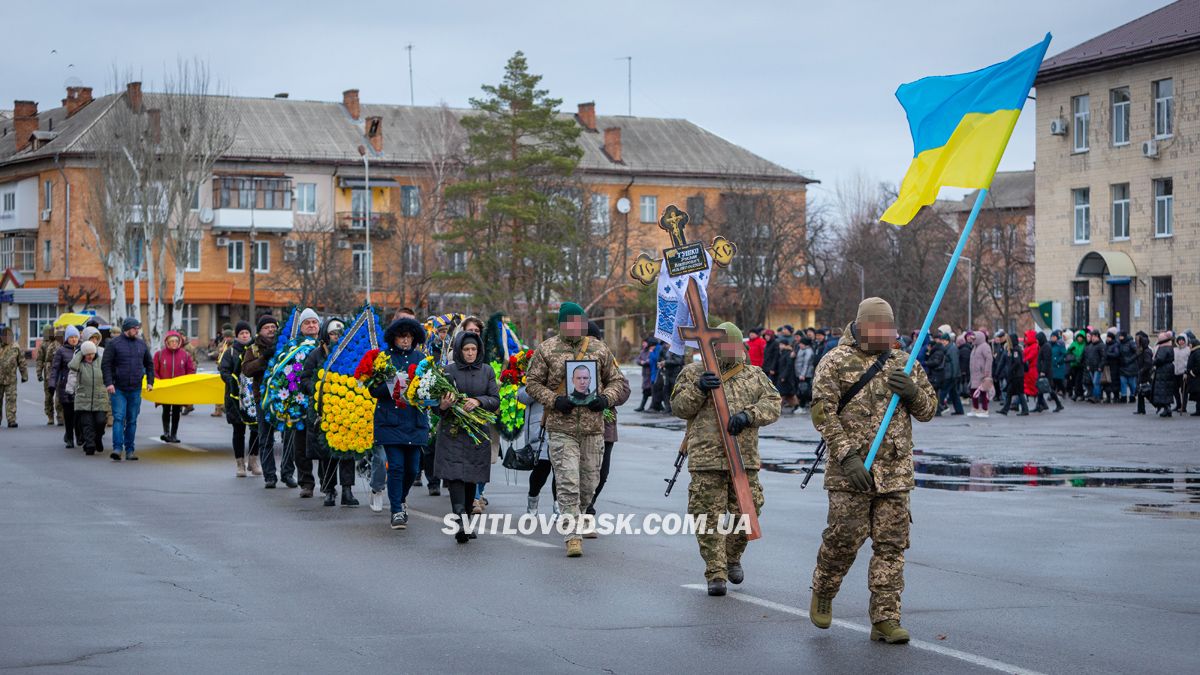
[919, 343]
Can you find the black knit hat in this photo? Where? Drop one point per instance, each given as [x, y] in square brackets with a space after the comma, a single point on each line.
[241, 326]
[266, 319]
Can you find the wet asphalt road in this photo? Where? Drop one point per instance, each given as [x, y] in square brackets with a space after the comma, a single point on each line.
[174, 565]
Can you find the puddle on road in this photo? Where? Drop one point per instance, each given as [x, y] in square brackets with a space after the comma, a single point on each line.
[957, 473]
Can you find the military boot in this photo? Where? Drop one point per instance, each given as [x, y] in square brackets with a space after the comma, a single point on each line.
[716, 587]
[889, 631]
[820, 610]
[735, 572]
[574, 548]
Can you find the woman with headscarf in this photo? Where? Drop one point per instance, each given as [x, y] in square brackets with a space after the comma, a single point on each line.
[91, 404]
[402, 432]
[63, 383]
[1163, 396]
[460, 461]
[980, 375]
[170, 362]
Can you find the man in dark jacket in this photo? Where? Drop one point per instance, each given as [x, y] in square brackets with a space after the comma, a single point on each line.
[254, 366]
[948, 391]
[1112, 361]
[125, 362]
[1093, 363]
[1129, 367]
[935, 366]
[401, 433]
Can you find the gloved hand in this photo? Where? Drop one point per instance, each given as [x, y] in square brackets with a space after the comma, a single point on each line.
[902, 383]
[39, 377]
[857, 473]
[708, 381]
[738, 423]
[563, 405]
[598, 404]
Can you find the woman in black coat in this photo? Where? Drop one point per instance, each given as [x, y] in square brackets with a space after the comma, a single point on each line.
[230, 368]
[1193, 373]
[1045, 365]
[1163, 397]
[1016, 378]
[460, 461]
[1144, 361]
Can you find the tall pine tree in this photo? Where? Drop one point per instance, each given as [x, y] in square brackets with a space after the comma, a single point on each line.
[520, 209]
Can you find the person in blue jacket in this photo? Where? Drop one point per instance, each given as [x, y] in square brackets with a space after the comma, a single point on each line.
[402, 431]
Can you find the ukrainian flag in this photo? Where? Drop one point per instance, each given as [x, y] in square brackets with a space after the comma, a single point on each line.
[960, 126]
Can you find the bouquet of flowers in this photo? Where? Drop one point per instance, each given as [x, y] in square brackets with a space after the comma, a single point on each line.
[376, 369]
[512, 411]
[427, 385]
[283, 401]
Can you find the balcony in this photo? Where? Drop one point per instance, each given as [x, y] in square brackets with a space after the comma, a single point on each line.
[265, 220]
[355, 222]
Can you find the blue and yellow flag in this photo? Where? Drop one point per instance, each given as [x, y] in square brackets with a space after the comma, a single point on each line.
[960, 126]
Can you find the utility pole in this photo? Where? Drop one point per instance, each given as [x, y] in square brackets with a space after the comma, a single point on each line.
[253, 247]
[362, 150]
[412, 100]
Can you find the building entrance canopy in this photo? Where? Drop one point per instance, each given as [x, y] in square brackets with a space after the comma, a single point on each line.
[1101, 263]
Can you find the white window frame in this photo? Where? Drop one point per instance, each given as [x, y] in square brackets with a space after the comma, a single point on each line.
[1120, 211]
[48, 194]
[239, 257]
[260, 251]
[598, 215]
[1164, 109]
[1082, 214]
[40, 314]
[414, 260]
[602, 268]
[1081, 115]
[10, 202]
[47, 254]
[459, 262]
[189, 322]
[410, 201]
[306, 198]
[192, 258]
[1120, 116]
[648, 209]
[1164, 208]
[359, 265]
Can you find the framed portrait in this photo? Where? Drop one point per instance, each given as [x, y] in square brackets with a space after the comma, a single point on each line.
[582, 381]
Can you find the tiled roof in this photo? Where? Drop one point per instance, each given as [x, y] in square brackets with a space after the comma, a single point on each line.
[277, 129]
[1010, 190]
[1170, 30]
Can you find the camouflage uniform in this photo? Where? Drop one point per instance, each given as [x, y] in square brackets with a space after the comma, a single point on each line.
[882, 514]
[12, 359]
[711, 492]
[45, 356]
[576, 439]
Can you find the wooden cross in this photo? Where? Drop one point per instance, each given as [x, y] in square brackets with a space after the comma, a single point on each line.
[674, 221]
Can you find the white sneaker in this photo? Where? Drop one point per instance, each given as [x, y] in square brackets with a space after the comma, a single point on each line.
[377, 501]
[531, 506]
[982, 413]
[971, 413]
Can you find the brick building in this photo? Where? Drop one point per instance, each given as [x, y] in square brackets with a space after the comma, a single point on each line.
[1118, 191]
[288, 204]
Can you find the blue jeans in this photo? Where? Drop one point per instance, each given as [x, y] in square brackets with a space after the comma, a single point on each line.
[1129, 384]
[125, 408]
[378, 469]
[948, 392]
[1096, 384]
[403, 464]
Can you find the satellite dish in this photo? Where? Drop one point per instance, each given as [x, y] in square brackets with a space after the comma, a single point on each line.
[206, 215]
[623, 205]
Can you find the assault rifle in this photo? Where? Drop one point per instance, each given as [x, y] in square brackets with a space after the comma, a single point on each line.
[849, 394]
[820, 455]
[679, 459]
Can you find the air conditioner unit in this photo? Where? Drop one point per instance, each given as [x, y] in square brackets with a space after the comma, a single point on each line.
[1058, 126]
[289, 256]
[222, 242]
[46, 215]
[343, 244]
[1150, 149]
[289, 243]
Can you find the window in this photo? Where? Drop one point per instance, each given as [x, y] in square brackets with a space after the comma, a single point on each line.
[260, 256]
[649, 209]
[410, 201]
[306, 197]
[39, 317]
[360, 264]
[1083, 215]
[1164, 207]
[306, 254]
[276, 195]
[189, 321]
[1081, 312]
[1164, 303]
[414, 260]
[599, 215]
[235, 256]
[245, 193]
[253, 193]
[358, 205]
[195, 205]
[192, 264]
[1164, 108]
[1120, 211]
[1080, 106]
[458, 261]
[695, 209]
[10, 201]
[600, 259]
[456, 208]
[1120, 116]
[18, 253]
[47, 255]
[47, 194]
[135, 256]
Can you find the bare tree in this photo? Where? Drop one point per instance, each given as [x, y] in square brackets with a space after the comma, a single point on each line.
[1002, 252]
[318, 270]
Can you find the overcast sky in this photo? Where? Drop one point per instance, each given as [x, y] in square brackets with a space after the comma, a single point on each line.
[806, 84]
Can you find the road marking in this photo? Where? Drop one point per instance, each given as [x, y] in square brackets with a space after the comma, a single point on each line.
[973, 659]
[515, 537]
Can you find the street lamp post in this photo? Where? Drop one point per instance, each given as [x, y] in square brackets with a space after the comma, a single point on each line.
[362, 150]
[970, 290]
[862, 285]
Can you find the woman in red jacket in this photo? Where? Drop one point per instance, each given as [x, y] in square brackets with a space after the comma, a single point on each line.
[172, 361]
[1031, 363]
[756, 346]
